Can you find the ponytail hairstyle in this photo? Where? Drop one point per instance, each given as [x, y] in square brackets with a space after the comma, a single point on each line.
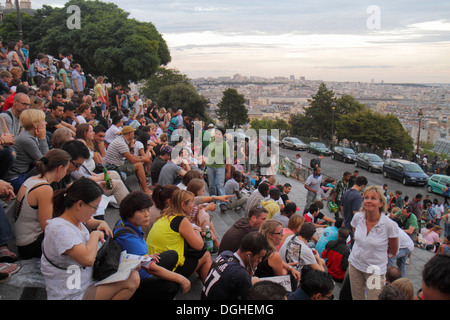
[161, 194]
[175, 207]
[83, 189]
[52, 160]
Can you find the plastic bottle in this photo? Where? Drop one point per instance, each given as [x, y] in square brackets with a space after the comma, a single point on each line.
[107, 179]
[208, 240]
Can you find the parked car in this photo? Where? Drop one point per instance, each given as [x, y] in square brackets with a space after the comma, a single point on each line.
[319, 147]
[405, 171]
[346, 155]
[270, 139]
[293, 143]
[437, 183]
[369, 161]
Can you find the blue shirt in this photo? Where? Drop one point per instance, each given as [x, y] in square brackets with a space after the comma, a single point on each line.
[76, 77]
[133, 244]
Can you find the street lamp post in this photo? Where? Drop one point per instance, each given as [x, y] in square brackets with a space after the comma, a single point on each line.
[19, 21]
[420, 114]
[333, 108]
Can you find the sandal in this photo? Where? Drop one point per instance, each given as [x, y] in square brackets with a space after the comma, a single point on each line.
[9, 268]
[7, 256]
[4, 277]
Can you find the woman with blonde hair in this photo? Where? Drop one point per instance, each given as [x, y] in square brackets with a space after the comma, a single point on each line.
[272, 264]
[433, 238]
[376, 237]
[406, 287]
[37, 103]
[60, 136]
[173, 231]
[100, 92]
[294, 225]
[30, 145]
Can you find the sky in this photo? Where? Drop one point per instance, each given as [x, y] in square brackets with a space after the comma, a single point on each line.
[401, 41]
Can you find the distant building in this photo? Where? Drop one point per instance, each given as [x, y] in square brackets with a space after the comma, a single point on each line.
[442, 146]
[10, 6]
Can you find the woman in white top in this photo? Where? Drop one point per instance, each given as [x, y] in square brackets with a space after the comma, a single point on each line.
[70, 247]
[83, 111]
[85, 133]
[34, 202]
[376, 237]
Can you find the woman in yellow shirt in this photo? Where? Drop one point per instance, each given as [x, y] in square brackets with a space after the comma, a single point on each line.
[173, 231]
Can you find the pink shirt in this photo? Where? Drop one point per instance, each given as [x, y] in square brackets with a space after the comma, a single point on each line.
[431, 237]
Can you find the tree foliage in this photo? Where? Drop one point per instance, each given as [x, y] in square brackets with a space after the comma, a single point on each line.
[231, 109]
[183, 96]
[163, 77]
[317, 121]
[108, 43]
[375, 129]
[269, 124]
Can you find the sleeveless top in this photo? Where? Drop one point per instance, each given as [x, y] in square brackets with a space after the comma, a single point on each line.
[28, 227]
[164, 236]
[264, 269]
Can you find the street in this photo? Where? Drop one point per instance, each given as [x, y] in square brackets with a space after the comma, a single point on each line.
[335, 169]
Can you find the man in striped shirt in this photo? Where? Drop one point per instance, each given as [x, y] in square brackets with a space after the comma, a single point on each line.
[118, 153]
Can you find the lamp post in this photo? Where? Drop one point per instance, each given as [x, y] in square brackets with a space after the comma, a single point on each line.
[420, 115]
[333, 108]
[19, 21]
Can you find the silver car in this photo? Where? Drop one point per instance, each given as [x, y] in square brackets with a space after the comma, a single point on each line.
[293, 143]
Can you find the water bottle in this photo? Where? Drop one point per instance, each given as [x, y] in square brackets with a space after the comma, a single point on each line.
[208, 239]
[107, 179]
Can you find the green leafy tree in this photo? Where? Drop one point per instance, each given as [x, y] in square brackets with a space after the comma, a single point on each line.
[317, 121]
[108, 43]
[163, 77]
[231, 109]
[375, 129]
[183, 96]
[269, 124]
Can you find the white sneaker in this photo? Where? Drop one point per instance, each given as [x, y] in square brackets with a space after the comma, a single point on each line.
[408, 261]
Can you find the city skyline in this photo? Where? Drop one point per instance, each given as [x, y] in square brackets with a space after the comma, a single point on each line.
[390, 41]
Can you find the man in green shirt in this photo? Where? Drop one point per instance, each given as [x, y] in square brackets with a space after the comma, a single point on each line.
[409, 221]
[218, 165]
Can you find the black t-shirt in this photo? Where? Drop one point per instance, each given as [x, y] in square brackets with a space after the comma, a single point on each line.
[114, 94]
[227, 280]
[155, 169]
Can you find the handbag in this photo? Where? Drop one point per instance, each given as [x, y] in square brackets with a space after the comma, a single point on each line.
[107, 260]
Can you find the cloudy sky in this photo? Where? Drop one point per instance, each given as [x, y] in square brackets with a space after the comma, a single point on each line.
[331, 40]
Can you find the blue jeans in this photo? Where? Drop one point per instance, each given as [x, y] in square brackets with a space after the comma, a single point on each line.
[6, 232]
[216, 181]
[401, 260]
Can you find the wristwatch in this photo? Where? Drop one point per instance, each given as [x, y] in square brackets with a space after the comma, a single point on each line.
[214, 198]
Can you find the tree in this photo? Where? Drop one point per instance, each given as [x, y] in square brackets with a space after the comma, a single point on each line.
[108, 43]
[183, 96]
[268, 124]
[318, 118]
[375, 129]
[231, 109]
[161, 78]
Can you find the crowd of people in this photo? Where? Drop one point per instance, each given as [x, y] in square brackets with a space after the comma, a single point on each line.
[64, 146]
